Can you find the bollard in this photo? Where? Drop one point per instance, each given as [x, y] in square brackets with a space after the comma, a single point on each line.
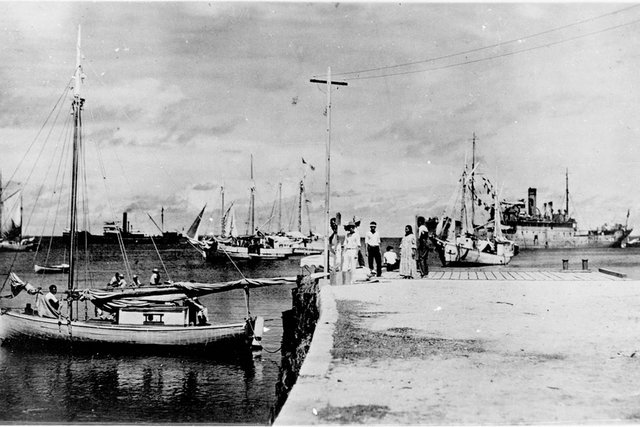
[565, 264]
[585, 264]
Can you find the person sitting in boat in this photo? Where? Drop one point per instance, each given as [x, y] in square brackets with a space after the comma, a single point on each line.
[28, 310]
[155, 278]
[49, 306]
[198, 314]
[136, 281]
[117, 281]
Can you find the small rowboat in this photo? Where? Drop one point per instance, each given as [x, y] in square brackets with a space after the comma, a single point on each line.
[51, 269]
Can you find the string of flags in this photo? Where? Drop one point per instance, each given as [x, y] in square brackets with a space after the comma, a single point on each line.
[308, 164]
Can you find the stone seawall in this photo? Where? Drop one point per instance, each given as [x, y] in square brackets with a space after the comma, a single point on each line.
[299, 324]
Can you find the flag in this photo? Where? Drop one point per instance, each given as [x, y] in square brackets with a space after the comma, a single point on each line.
[309, 164]
[17, 285]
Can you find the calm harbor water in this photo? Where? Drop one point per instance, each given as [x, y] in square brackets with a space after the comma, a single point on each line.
[45, 385]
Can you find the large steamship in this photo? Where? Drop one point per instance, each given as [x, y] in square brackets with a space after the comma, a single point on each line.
[531, 228]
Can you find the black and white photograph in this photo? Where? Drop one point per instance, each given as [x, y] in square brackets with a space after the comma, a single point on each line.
[320, 213]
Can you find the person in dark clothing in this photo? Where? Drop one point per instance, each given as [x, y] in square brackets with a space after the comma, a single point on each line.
[423, 247]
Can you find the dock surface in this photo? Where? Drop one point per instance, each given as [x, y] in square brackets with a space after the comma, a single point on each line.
[563, 347]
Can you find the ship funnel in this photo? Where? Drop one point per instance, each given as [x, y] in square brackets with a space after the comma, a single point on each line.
[531, 208]
[125, 225]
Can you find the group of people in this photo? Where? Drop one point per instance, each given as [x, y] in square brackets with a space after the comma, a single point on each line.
[347, 254]
[117, 281]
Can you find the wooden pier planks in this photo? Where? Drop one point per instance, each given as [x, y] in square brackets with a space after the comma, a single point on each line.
[521, 275]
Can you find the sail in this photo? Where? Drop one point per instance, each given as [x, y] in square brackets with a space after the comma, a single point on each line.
[497, 233]
[192, 232]
[231, 228]
[11, 227]
[110, 301]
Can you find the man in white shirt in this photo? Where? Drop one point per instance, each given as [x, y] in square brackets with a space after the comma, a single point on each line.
[372, 240]
[390, 259]
[49, 306]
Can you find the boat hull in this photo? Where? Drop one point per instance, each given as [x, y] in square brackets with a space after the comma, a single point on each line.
[6, 246]
[18, 326]
[452, 254]
[51, 269]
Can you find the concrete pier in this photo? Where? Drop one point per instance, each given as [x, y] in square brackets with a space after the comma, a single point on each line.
[541, 347]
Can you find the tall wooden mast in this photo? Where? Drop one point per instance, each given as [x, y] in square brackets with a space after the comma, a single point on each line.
[473, 186]
[567, 187]
[252, 208]
[77, 141]
[222, 219]
[279, 207]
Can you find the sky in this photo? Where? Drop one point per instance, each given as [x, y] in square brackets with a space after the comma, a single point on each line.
[181, 95]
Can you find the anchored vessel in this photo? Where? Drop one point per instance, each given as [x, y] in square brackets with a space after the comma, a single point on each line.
[531, 228]
[459, 241]
[165, 315]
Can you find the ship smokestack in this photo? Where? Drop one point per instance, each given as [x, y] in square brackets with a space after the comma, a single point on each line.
[532, 201]
[125, 225]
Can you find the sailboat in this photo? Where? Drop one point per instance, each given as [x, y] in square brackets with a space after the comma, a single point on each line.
[459, 241]
[11, 238]
[163, 316]
[253, 245]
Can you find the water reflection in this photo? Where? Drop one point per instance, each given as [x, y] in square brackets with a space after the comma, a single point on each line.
[40, 385]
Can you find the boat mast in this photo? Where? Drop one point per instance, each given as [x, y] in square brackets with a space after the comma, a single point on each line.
[77, 123]
[567, 186]
[473, 189]
[300, 206]
[222, 221]
[252, 202]
[1, 205]
[279, 207]
[162, 219]
[21, 210]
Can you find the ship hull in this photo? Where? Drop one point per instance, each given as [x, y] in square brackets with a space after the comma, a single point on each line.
[548, 237]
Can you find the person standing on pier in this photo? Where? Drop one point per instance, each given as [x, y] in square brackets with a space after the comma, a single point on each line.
[350, 261]
[423, 247]
[356, 231]
[408, 254]
[334, 245]
[372, 240]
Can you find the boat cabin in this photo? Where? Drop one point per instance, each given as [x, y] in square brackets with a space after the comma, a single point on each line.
[162, 315]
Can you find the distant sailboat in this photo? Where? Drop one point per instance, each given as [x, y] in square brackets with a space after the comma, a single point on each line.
[11, 238]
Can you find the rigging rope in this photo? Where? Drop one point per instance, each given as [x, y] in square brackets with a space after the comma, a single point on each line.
[164, 267]
[519, 39]
[66, 129]
[489, 58]
[64, 92]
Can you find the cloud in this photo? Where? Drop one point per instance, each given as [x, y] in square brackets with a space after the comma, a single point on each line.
[205, 187]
